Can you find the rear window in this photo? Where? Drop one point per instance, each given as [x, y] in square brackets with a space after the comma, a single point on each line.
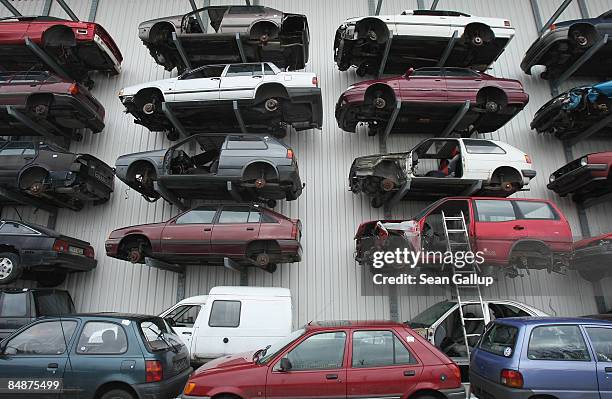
[158, 336]
[500, 340]
[13, 304]
[536, 210]
[482, 147]
[557, 343]
[53, 303]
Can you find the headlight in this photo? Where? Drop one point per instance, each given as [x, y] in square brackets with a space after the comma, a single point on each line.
[552, 178]
[584, 161]
[120, 94]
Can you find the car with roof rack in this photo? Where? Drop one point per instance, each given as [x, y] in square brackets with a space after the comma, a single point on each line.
[418, 38]
[261, 33]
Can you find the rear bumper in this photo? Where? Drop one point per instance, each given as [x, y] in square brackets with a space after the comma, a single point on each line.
[34, 259]
[170, 388]
[485, 389]
[540, 47]
[312, 96]
[577, 178]
[90, 118]
[456, 393]
[291, 250]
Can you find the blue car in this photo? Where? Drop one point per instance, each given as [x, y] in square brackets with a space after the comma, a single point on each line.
[575, 110]
[544, 358]
[94, 356]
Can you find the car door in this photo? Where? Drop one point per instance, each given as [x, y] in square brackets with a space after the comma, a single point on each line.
[215, 333]
[38, 352]
[239, 18]
[555, 357]
[183, 319]
[317, 368]
[235, 228]
[240, 81]
[381, 365]
[497, 228]
[422, 26]
[542, 222]
[190, 233]
[201, 84]
[462, 84]
[424, 85]
[14, 156]
[102, 350]
[600, 338]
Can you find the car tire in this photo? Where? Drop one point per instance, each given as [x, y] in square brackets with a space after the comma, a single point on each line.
[117, 394]
[10, 267]
[51, 278]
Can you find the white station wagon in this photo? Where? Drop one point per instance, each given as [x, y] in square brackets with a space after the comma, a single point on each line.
[419, 39]
[267, 97]
[441, 167]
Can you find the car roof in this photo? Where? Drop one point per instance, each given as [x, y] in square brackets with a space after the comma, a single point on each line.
[250, 291]
[17, 290]
[526, 321]
[330, 324]
[114, 315]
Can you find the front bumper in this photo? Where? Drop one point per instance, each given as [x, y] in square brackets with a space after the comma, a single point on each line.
[170, 388]
[107, 51]
[312, 96]
[112, 247]
[576, 179]
[486, 389]
[35, 259]
[536, 53]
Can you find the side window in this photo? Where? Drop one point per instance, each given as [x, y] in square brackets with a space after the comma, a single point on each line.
[536, 210]
[557, 343]
[13, 304]
[17, 148]
[499, 311]
[482, 147]
[184, 316]
[16, 228]
[243, 70]
[500, 340]
[234, 214]
[102, 338]
[254, 216]
[225, 314]
[427, 72]
[494, 211]
[47, 338]
[268, 70]
[319, 352]
[246, 143]
[378, 349]
[602, 343]
[460, 72]
[213, 71]
[202, 215]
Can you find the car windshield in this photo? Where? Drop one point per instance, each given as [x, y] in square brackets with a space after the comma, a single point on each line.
[279, 345]
[430, 315]
[425, 211]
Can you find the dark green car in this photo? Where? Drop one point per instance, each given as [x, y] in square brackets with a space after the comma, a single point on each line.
[101, 356]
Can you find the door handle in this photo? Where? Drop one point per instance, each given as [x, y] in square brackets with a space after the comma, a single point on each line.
[608, 369]
[207, 229]
[331, 376]
[186, 333]
[256, 76]
[52, 366]
[250, 228]
[409, 373]
[518, 227]
[215, 78]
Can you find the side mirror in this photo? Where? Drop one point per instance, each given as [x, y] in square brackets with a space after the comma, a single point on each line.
[285, 364]
[409, 72]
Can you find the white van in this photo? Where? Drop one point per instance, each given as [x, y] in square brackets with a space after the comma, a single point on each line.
[231, 320]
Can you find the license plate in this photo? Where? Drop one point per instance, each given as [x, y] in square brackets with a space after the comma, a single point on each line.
[76, 251]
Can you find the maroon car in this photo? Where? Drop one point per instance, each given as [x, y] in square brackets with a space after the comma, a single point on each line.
[246, 234]
[59, 106]
[593, 257]
[584, 178]
[430, 97]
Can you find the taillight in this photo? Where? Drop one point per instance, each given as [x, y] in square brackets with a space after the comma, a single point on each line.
[294, 231]
[89, 252]
[60, 246]
[507, 23]
[528, 159]
[315, 81]
[552, 27]
[456, 372]
[289, 153]
[383, 234]
[74, 89]
[154, 370]
[511, 378]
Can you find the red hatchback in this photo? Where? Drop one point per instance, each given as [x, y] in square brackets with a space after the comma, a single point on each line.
[337, 359]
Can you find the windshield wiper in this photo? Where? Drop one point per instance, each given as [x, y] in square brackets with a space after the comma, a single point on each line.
[160, 335]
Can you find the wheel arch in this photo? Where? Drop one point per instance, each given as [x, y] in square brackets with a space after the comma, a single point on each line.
[271, 89]
[109, 386]
[62, 34]
[529, 242]
[265, 162]
[498, 93]
[427, 392]
[147, 90]
[31, 169]
[156, 30]
[379, 86]
[382, 28]
[135, 236]
[472, 26]
[589, 27]
[10, 248]
[141, 161]
[511, 169]
[261, 23]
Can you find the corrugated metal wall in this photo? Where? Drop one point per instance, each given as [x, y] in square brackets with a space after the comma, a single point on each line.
[327, 283]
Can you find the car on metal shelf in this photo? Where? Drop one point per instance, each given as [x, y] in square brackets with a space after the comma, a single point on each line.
[419, 38]
[563, 43]
[430, 98]
[585, 178]
[57, 105]
[78, 47]
[268, 99]
[513, 234]
[593, 257]
[215, 166]
[574, 111]
[437, 168]
[247, 234]
[264, 34]
[34, 252]
[45, 171]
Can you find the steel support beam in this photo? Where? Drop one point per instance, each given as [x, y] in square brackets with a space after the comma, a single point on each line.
[160, 264]
[396, 198]
[421, 4]
[170, 196]
[14, 197]
[181, 284]
[181, 50]
[378, 7]
[240, 48]
[584, 10]
[456, 119]
[174, 120]
[537, 16]
[597, 201]
[555, 15]
[93, 10]
[11, 8]
[449, 48]
[607, 121]
[434, 5]
[371, 7]
[47, 7]
[68, 10]
[197, 15]
[44, 57]
[243, 128]
[25, 120]
[383, 61]
[389, 127]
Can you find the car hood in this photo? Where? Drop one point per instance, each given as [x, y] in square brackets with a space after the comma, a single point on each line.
[126, 159]
[237, 361]
[174, 19]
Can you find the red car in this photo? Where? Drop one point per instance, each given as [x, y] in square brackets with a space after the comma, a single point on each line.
[336, 359]
[593, 257]
[510, 232]
[584, 178]
[247, 234]
[79, 47]
[430, 98]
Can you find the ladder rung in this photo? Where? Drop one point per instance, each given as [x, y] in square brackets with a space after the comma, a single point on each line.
[456, 231]
[473, 318]
[453, 218]
[473, 335]
[459, 243]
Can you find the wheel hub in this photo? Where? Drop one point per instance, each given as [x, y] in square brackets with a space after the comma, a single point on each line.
[260, 183]
[264, 38]
[148, 108]
[581, 40]
[379, 103]
[492, 106]
[134, 255]
[507, 187]
[372, 35]
[36, 188]
[477, 40]
[6, 268]
[387, 185]
[271, 104]
[40, 109]
[262, 259]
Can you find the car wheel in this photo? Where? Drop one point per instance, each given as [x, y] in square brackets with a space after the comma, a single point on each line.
[135, 255]
[262, 259]
[10, 269]
[117, 394]
[581, 40]
[172, 135]
[271, 268]
[51, 278]
[145, 180]
[492, 106]
[272, 104]
[344, 67]
[477, 40]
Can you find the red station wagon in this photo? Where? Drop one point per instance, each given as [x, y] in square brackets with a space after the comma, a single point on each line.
[247, 234]
[337, 359]
[515, 232]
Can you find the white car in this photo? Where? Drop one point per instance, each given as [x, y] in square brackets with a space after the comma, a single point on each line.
[437, 168]
[419, 38]
[201, 98]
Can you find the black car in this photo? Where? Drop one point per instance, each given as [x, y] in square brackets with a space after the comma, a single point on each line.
[96, 356]
[565, 42]
[21, 306]
[54, 175]
[245, 167]
[38, 253]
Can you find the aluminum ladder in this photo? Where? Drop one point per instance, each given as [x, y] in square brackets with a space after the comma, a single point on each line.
[456, 228]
